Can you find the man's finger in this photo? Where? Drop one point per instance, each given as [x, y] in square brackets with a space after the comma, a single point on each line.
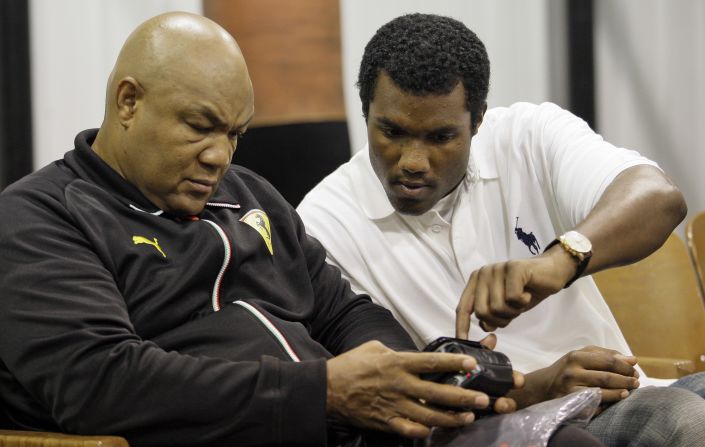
[428, 362]
[496, 294]
[490, 322]
[407, 428]
[521, 302]
[602, 360]
[465, 307]
[416, 419]
[609, 395]
[515, 279]
[487, 327]
[449, 396]
[628, 358]
[490, 341]
[505, 405]
[608, 380]
[519, 379]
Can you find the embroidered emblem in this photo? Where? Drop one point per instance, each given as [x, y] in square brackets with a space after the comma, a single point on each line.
[258, 220]
[143, 240]
[528, 239]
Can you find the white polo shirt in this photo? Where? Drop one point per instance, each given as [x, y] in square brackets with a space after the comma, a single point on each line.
[535, 171]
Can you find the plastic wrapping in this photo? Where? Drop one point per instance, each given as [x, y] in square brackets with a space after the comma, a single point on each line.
[529, 427]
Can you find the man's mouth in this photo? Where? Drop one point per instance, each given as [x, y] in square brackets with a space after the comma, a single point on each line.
[202, 185]
[410, 189]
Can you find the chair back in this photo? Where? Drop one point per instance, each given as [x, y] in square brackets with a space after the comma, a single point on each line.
[695, 239]
[656, 304]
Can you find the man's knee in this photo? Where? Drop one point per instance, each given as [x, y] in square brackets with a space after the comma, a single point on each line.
[660, 402]
[693, 382]
[653, 416]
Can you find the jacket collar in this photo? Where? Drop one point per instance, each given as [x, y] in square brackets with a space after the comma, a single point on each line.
[89, 166]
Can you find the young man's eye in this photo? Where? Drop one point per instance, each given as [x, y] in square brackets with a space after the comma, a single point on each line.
[441, 137]
[391, 132]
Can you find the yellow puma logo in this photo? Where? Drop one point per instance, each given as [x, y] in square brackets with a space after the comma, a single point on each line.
[143, 240]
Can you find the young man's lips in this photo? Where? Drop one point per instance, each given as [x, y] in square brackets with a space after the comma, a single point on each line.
[410, 190]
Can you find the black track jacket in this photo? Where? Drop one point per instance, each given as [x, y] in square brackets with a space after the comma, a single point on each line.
[117, 319]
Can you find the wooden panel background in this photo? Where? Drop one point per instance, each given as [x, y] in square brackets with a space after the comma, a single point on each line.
[293, 53]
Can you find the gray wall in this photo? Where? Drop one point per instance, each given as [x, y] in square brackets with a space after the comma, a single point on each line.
[650, 76]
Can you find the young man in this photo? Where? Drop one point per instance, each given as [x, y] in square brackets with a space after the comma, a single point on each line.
[438, 231]
[151, 290]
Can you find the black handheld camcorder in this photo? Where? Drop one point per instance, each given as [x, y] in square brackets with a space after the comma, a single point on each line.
[493, 374]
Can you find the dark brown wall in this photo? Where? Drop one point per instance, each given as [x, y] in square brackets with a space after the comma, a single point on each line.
[292, 49]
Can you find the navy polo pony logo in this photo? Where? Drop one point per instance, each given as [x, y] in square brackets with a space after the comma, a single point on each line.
[528, 239]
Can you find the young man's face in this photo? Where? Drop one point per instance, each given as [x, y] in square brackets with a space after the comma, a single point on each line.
[419, 145]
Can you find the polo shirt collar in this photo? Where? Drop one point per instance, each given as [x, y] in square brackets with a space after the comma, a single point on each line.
[373, 199]
[482, 154]
[368, 189]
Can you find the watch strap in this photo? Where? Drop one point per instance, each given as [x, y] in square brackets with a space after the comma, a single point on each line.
[582, 260]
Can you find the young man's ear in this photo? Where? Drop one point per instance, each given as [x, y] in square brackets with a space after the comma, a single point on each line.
[129, 92]
[476, 123]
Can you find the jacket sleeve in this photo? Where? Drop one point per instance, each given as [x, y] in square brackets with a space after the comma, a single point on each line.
[343, 319]
[69, 348]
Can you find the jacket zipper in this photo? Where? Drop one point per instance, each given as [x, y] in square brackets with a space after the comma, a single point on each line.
[271, 328]
[215, 297]
[227, 255]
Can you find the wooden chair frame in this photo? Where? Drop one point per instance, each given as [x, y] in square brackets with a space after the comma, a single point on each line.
[695, 240]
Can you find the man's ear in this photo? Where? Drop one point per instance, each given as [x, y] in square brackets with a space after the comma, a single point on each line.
[478, 121]
[129, 93]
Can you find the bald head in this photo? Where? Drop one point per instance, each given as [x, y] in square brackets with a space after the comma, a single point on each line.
[176, 101]
[175, 46]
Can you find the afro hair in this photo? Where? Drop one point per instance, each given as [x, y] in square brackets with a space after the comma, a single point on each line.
[426, 54]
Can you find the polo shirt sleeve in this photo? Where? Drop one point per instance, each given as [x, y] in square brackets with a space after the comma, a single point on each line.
[573, 163]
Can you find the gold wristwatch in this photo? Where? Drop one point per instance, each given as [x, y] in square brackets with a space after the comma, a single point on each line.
[578, 246]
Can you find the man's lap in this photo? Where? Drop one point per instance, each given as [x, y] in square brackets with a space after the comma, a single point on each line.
[694, 382]
[655, 416]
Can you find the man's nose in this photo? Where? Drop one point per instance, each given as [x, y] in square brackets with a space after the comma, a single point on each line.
[219, 154]
[414, 158]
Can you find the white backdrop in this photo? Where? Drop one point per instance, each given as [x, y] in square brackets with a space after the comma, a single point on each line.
[74, 44]
[650, 73]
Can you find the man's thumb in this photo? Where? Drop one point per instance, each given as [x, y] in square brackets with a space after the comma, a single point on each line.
[490, 341]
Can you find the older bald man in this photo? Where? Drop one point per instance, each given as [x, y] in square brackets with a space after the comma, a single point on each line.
[151, 290]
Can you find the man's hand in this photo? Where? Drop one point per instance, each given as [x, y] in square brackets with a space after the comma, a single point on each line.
[592, 366]
[375, 387]
[498, 293]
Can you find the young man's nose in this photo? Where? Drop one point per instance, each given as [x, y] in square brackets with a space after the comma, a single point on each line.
[414, 158]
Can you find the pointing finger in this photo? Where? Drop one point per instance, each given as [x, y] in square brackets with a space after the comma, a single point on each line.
[465, 308]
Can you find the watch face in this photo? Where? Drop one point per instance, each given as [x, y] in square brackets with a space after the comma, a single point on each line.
[577, 242]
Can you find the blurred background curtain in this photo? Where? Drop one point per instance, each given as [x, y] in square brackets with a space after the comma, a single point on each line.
[299, 133]
[649, 69]
[15, 105]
